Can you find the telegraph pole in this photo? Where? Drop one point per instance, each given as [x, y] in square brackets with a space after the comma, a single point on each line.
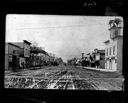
[82, 59]
[82, 55]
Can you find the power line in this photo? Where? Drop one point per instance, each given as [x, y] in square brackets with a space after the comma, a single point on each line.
[52, 27]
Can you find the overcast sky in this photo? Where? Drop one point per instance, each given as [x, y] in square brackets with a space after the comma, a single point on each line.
[65, 36]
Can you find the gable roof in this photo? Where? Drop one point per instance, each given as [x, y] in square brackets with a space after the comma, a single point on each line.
[21, 44]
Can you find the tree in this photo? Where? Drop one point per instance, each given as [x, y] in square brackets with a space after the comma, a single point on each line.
[34, 43]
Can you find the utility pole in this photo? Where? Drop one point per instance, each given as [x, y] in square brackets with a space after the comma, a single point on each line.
[82, 59]
[82, 55]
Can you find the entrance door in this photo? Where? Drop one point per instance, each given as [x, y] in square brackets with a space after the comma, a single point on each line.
[110, 64]
[113, 64]
[107, 66]
[14, 62]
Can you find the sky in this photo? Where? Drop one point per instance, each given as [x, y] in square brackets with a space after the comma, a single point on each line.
[65, 36]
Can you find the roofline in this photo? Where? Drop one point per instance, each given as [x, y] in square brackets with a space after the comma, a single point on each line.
[102, 52]
[101, 49]
[119, 36]
[27, 42]
[14, 44]
[114, 27]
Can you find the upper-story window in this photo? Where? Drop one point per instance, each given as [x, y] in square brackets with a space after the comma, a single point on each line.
[28, 52]
[111, 34]
[110, 51]
[116, 33]
[113, 50]
[106, 52]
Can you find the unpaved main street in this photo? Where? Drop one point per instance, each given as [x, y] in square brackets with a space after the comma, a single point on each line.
[63, 77]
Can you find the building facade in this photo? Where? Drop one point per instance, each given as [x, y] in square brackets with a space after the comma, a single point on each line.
[114, 47]
[99, 58]
[25, 53]
[12, 53]
[17, 55]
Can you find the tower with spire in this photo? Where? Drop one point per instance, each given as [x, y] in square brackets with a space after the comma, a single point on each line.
[114, 46]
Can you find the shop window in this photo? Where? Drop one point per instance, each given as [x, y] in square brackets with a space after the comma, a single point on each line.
[101, 58]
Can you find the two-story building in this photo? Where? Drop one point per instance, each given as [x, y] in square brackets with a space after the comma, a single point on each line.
[114, 46]
[12, 53]
[99, 58]
[24, 53]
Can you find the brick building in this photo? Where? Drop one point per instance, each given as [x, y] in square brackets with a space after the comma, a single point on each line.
[114, 46]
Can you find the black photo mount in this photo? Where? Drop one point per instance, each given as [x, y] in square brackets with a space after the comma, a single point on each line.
[60, 7]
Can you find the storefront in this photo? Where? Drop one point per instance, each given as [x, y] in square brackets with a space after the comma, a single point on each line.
[107, 64]
[22, 62]
[114, 64]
